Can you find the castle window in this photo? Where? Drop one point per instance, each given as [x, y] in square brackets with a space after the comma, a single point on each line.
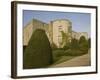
[60, 28]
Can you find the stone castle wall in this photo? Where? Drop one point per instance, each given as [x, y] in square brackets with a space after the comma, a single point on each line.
[30, 28]
[53, 31]
[59, 26]
[77, 35]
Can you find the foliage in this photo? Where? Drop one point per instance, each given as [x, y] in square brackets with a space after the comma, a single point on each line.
[38, 53]
[89, 43]
[54, 46]
[65, 38]
[82, 40]
[67, 46]
[74, 44]
[24, 47]
[83, 44]
[74, 52]
[57, 54]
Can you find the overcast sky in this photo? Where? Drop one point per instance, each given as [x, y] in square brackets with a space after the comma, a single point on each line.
[81, 22]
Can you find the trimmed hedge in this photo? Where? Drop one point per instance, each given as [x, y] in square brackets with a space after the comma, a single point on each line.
[38, 53]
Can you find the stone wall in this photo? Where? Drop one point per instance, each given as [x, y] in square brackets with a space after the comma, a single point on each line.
[77, 35]
[53, 31]
[58, 26]
[30, 28]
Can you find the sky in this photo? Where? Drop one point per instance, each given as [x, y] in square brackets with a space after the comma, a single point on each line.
[81, 22]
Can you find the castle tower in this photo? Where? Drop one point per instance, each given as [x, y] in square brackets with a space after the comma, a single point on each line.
[58, 26]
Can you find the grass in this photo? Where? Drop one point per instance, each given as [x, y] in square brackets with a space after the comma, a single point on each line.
[63, 58]
[61, 55]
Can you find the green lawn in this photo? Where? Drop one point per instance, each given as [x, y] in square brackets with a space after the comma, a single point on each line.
[63, 58]
[61, 55]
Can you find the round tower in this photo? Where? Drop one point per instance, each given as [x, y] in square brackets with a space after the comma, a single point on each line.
[59, 27]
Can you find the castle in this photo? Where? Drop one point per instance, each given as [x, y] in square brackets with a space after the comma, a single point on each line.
[53, 31]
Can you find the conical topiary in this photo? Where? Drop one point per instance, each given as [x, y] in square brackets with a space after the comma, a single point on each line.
[38, 53]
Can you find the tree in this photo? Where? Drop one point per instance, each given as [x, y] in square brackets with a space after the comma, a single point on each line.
[38, 53]
[82, 40]
[73, 49]
[74, 44]
[65, 39]
[67, 46]
[89, 43]
[83, 43]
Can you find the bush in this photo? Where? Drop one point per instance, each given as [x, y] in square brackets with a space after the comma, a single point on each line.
[24, 47]
[89, 43]
[57, 54]
[74, 44]
[67, 46]
[38, 53]
[74, 52]
[83, 44]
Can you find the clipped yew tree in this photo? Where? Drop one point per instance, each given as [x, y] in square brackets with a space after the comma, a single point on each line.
[38, 53]
[83, 43]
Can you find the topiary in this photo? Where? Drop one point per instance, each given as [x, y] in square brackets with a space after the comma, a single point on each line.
[38, 53]
[83, 44]
[74, 44]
